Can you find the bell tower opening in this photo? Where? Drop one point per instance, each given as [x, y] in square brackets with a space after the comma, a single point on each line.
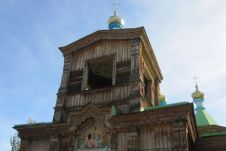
[100, 74]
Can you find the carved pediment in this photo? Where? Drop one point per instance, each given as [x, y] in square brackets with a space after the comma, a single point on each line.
[89, 111]
[89, 128]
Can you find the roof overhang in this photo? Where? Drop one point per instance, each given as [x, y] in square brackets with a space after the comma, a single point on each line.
[120, 34]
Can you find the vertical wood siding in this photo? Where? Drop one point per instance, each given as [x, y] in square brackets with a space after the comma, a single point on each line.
[115, 93]
[38, 145]
[157, 137]
[123, 71]
[122, 141]
[75, 81]
[104, 48]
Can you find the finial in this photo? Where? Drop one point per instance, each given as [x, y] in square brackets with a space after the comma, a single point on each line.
[115, 21]
[195, 78]
[202, 117]
[116, 8]
[31, 121]
[197, 94]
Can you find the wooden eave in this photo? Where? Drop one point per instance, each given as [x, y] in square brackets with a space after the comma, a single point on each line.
[161, 116]
[123, 34]
[211, 129]
[41, 130]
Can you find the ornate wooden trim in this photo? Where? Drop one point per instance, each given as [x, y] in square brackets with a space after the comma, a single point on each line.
[40, 131]
[99, 35]
[157, 117]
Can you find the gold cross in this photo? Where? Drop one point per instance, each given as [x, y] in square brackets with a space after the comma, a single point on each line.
[116, 5]
[195, 78]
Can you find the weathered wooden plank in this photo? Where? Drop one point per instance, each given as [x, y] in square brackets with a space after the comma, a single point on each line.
[120, 48]
[75, 81]
[104, 96]
[123, 72]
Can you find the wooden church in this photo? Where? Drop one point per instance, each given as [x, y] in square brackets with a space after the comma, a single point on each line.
[109, 100]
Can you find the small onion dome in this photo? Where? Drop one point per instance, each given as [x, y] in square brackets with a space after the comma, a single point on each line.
[115, 22]
[162, 98]
[197, 94]
[114, 110]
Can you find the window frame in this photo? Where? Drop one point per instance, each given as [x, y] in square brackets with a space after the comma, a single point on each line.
[85, 86]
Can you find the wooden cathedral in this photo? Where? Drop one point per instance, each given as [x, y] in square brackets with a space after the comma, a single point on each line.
[109, 100]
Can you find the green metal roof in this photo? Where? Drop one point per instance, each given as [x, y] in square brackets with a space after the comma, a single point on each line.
[164, 106]
[213, 134]
[203, 118]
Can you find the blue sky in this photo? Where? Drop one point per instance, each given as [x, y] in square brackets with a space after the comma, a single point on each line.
[188, 38]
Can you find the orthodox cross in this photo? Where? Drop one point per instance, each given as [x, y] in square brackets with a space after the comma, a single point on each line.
[116, 8]
[195, 78]
[116, 5]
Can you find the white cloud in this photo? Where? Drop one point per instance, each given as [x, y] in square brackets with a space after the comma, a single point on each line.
[194, 44]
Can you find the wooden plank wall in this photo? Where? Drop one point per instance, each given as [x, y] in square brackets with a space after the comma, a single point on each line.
[101, 49]
[75, 81]
[149, 138]
[38, 145]
[157, 137]
[116, 93]
[123, 71]
[122, 141]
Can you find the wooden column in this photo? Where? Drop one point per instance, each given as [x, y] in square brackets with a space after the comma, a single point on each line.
[23, 144]
[180, 140]
[156, 93]
[54, 144]
[113, 141]
[85, 77]
[66, 73]
[64, 82]
[59, 114]
[135, 59]
[122, 141]
[114, 71]
[134, 105]
[64, 143]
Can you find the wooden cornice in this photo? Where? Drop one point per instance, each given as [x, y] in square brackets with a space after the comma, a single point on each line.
[211, 129]
[41, 130]
[152, 57]
[159, 116]
[123, 34]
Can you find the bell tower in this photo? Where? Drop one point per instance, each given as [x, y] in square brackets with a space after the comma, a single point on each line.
[115, 67]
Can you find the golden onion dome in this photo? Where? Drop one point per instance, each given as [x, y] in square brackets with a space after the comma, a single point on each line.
[197, 94]
[116, 19]
[162, 97]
